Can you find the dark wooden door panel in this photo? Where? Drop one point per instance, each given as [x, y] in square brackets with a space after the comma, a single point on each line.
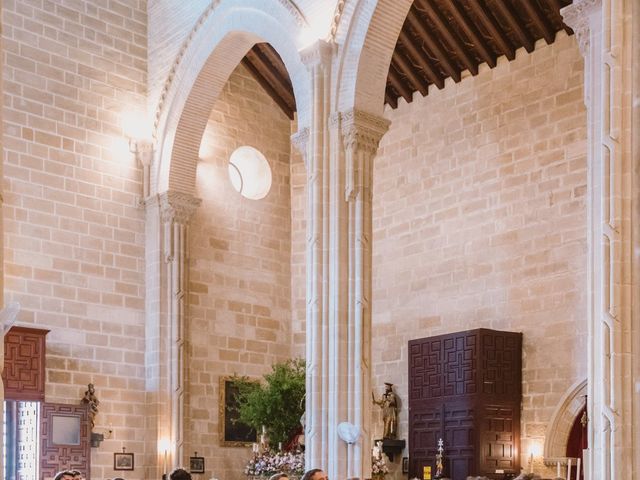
[465, 388]
[64, 439]
[24, 356]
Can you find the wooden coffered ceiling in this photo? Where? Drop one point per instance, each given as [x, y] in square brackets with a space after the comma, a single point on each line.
[439, 39]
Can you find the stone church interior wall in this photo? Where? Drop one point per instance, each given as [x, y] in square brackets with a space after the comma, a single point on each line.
[240, 276]
[74, 233]
[480, 221]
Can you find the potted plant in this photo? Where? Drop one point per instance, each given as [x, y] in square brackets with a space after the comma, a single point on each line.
[277, 402]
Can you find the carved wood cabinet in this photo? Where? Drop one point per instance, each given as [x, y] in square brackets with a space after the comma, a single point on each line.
[466, 388]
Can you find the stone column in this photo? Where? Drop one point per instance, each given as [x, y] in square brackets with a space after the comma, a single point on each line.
[338, 150]
[168, 216]
[604, 32]
[314, 144]
[361, 133]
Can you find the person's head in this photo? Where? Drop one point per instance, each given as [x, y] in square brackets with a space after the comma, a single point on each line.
[77, 475]
[179, 474]
[64, 475]
[314, 474]
[388, 387]
[279, 476]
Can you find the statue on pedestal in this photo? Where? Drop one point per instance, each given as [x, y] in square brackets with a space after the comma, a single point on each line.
[389, 404]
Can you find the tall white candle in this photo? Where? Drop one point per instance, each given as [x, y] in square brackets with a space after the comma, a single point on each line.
[164, 463]
[568, 469]
[578, 469]
[558, 469]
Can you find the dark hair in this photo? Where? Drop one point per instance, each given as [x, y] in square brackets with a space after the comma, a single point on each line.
[61, 475]
[75, 473]
[308, 475]
[278, 476]
[179, 474]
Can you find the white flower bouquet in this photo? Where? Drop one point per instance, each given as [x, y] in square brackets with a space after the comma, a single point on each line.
[268, 463]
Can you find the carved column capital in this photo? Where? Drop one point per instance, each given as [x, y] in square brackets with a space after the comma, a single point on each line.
[362, 130]
[177, 207]
[318, 54]
[577, 16]
[300, 140]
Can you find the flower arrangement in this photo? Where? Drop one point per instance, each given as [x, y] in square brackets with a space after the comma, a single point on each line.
[268, 463]
[378, 467]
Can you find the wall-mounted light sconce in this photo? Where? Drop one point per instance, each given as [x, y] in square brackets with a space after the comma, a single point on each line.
[135, 128]
[143, 150]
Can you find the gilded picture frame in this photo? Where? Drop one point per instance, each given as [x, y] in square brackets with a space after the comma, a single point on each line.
[233, 433]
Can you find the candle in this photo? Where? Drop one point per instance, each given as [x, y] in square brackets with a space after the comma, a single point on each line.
[164, 463]
[578, 469]
[558, 469]
[255, 448]
[531, 463]
[279, 446]
[568, 469]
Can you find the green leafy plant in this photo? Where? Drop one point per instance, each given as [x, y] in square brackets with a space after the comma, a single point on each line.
[277, 402]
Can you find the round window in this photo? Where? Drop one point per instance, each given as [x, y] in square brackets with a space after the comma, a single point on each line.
[250, 173]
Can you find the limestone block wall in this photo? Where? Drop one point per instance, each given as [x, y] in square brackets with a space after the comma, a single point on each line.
[480, 221]
[74, 236]
[240, 277]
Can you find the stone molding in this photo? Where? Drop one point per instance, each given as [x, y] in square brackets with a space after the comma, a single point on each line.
[335, 21]
[577, 16]
[289, 5]
[557, 434]
[177, 207]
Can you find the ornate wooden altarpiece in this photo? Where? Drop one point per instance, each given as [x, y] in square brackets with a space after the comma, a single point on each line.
[466, 388]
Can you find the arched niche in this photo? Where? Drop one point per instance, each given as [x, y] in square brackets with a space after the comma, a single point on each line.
[570, 406]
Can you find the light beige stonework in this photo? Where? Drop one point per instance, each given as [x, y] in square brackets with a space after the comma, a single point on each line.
[485, 211]
[479, 221]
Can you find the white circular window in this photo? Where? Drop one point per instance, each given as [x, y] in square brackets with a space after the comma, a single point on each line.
[250, 173]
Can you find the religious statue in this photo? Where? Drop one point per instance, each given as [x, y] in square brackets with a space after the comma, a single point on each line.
[440, 460]
[389, 404]
[93, 402]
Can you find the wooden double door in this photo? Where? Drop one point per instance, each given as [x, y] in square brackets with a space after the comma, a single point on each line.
[465, 388]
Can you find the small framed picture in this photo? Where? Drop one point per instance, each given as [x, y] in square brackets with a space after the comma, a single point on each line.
[122, 461]
[196, 464]
[405, 464]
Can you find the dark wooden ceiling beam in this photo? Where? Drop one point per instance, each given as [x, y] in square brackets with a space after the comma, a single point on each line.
[554, 7]
[494, 29]
[505, 9]
[406, 69]
[538, 20]
[470, 30]
[268, 71]
[264, 83]
[277, 63]
[399, 87]
[389, 99]
[418, 57]
[422, 33]
[449, 36]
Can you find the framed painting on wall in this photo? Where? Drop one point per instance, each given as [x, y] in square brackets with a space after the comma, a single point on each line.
[233, 433]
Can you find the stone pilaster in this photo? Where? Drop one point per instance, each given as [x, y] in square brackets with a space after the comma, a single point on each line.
[603, 29]
[168, 216]
[317, 58]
